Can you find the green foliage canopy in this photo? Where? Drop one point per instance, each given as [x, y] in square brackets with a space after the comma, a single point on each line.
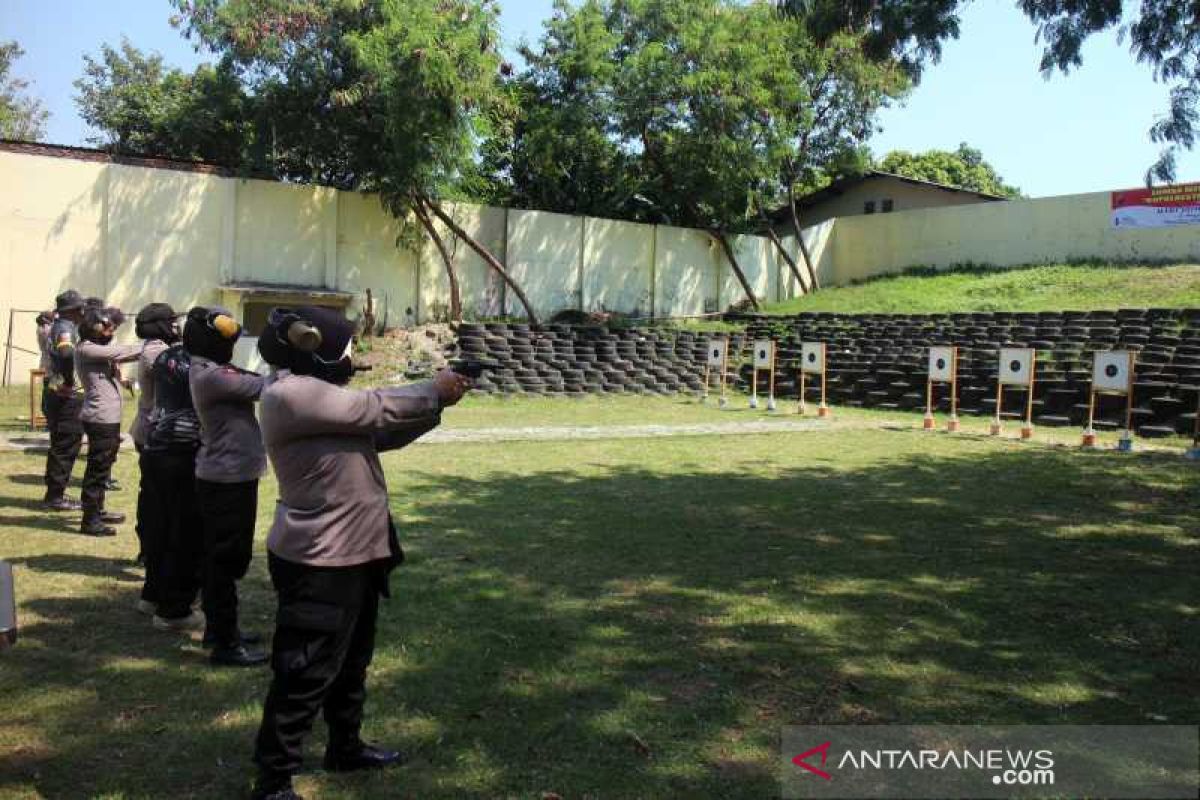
[964, 168]
[140, 106]
[21, 117]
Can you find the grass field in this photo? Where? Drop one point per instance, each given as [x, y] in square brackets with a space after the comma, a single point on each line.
[1056, 287]
[634, 618]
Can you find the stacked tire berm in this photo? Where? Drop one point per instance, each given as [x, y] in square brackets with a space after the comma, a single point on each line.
[880, 360]
[563, 359]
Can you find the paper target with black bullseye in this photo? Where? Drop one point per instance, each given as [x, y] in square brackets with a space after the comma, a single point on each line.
[941, 364]
[716, 352]
[764, 354]
[812, 357]
[1112, 371]
[1016, 365]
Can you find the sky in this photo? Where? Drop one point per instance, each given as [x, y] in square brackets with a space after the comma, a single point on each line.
[1082, 132]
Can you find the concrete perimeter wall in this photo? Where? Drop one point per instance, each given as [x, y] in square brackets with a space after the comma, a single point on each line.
[1045, 230]
[136, 234]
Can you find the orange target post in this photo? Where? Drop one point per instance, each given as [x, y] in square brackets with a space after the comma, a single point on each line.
[723, 400]
[763, 361]
[715, 357]
[1017, 367]
[1112, 373]
[943, 369]
[1027, 428]
[812, 362]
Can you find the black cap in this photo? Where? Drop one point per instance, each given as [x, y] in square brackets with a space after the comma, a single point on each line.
[156, 312]
[68, 301]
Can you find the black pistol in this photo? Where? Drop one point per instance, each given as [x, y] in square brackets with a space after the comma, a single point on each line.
[472, 368]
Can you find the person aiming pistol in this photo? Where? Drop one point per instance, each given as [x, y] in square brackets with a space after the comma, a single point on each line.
[228, 465]
[98, 365]
[332, 544]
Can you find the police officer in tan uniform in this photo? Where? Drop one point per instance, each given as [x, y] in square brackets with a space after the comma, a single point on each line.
[62, 400]
[332, 544]
[229, 463]
[97, 363]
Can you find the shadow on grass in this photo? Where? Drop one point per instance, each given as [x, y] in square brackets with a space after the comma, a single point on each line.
[92, 566]
[627, 632]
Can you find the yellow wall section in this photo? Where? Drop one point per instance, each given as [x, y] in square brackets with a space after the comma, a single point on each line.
[1015, 232]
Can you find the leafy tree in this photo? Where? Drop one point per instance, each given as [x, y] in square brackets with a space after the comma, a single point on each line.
[390, 96]
[562, 153]
[139, 106]
[1164, 34]
[964, 168]
[909, 32]
[698, 87]
[691, 112]
[21, 117]
[842, 89]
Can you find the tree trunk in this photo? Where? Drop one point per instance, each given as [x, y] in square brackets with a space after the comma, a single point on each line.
[791, 262]
[483, 252]
[812, 272]
[733, 262]
[422, 212]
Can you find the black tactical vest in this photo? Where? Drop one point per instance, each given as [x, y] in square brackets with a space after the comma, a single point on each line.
[173, 424]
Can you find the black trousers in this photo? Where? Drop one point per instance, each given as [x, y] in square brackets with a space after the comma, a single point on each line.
[104, 440]
[149, 511]
[66, 438]
[173, 535]
[324, 641]
[228, 511]
[150, 527]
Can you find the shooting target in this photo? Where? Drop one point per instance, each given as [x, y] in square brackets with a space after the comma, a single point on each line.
[812, 357]
[941, 364]
[1112, 371]
[764, 354]
[1016, 365]
[716, 352]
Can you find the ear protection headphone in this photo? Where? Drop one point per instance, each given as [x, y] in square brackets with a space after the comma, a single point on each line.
[291, 330]
[226, 326]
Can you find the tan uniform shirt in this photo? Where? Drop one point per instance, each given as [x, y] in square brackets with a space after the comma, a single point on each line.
[96, 368]
[231, 447]
[324, 443]
[151, 349]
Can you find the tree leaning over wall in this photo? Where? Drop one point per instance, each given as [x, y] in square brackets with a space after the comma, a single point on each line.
[389, 97]
[700, 113]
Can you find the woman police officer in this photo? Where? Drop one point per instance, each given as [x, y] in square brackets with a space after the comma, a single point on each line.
[332, 544]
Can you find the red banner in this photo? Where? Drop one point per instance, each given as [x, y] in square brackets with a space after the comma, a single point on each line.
[1159, 207]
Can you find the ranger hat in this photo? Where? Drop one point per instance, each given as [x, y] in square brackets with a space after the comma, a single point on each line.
[68, 301]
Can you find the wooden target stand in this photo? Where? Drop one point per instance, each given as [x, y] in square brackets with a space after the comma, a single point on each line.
[1007, 355]
[764, 361]
[36, 420]
[1125, 443]
[931, 379]
[814, 352]
[720, 361]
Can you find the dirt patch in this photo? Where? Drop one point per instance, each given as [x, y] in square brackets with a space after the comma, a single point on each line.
[405, 354]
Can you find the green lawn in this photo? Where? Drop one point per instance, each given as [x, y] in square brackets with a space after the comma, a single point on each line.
[1056, 287]
[635, 618]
